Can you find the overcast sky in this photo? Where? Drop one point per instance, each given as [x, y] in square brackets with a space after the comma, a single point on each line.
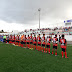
[23, 14]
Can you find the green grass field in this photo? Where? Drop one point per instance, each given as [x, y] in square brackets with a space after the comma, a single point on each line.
[17, 59]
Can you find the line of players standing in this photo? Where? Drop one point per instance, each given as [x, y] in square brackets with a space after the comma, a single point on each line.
[41, 44]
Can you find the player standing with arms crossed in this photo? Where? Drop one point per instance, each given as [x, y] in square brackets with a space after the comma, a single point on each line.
[63, 44]
[55, 45]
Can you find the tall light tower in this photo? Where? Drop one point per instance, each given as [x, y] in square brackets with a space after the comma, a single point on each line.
[39, 16]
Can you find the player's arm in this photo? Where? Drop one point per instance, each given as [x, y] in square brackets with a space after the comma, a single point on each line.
[65, 43]
[50, 40]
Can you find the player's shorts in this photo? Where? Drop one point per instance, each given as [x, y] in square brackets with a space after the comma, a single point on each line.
[48, 46]
[55, 47]
[7, 40]
[17, 41]
[63, 49]
[24, 42]
[13, 40]
[31, 42]
[35, 44]
[43, 45]
[27, 42]
[39, 44]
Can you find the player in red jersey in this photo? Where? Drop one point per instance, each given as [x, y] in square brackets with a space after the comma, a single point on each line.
[34, 42]
[24, 41]
[39, 42]
[48, 40]
[63, 44]
[43, 42]
[7, 38]
[17, 40]
[13, 39]
[31, 41]
[10, 39]
[28, 42]
[55, 45]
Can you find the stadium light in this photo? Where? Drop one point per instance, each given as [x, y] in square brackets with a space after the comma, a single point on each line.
[39, 16]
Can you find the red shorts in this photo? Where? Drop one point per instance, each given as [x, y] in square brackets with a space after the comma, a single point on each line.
[55, 44]
[43, 43]
[48, 43]
[39, 42]
[62, 46]
[34, 42]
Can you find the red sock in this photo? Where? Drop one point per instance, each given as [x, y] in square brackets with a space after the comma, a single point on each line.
[65, 54]
[17, 43]
[28, 45]
[40, 48]
[55, 53]
[52, 52]
[62, 53]
[36, 47]
[44, 49]
[49, 50]
[21, 45]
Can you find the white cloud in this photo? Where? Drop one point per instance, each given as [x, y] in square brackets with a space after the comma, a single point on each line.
[23, 14]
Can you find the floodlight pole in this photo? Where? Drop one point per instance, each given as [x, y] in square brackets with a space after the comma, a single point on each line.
[39, 16]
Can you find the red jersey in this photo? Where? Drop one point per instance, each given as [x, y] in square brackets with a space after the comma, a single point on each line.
[48, 41]
[55, 41]
[63, 42]
[17, 37]
[13, 37]
[28, 39]
[39, 39]
[34, 40]
[24, 39]
[31, 40]
[43, 40]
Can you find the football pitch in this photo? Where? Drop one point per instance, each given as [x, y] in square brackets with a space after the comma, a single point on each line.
[17, 59]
